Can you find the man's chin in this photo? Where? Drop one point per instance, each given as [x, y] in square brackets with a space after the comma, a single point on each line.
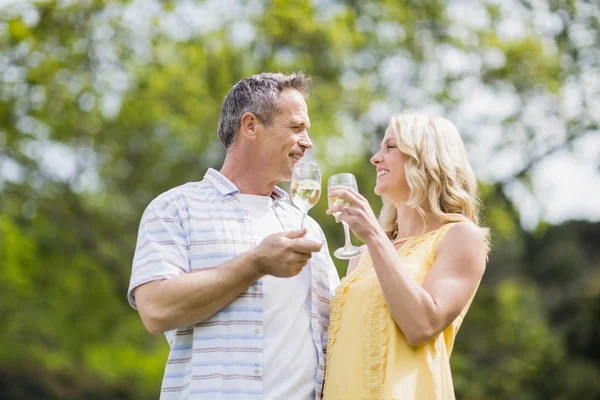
[287, 176]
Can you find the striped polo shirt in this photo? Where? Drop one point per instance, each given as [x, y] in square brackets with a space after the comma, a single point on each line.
[202, 225]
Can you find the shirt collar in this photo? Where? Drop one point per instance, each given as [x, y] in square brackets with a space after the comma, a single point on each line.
[226, 187]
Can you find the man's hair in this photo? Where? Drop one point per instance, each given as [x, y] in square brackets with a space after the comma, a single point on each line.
[256, 94]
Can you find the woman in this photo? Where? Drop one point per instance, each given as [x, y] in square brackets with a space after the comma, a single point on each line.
[395, 315]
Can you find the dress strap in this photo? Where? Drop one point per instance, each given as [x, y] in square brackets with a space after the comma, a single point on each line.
[439, 235]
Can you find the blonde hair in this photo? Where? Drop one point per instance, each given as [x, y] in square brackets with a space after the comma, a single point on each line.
[439, 175]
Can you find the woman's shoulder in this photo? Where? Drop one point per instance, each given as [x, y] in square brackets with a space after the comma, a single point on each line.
[463, 234]
[464, 237]
[467, 229]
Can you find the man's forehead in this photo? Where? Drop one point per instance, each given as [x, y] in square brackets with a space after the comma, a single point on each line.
[295, 115]
[299, 118]
[292, 100]
[291, 97]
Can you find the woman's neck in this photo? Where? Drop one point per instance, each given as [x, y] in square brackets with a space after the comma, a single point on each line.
[410, 222]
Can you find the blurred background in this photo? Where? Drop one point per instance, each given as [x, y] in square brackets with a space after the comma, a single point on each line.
[104, 105]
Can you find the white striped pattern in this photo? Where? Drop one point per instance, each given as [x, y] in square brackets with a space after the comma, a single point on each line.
[202, 225]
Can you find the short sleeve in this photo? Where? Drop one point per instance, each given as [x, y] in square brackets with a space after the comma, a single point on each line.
[161, 251]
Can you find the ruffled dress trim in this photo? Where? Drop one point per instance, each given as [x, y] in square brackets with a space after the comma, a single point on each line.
[335, 313]
[375, 344]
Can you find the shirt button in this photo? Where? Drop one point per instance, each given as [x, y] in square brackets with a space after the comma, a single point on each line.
[257, 331]
[256, 288]
[257, 371]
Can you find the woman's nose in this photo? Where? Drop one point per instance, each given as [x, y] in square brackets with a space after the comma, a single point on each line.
[376, 159]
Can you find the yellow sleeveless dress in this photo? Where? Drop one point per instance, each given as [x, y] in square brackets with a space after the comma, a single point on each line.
[368, 356]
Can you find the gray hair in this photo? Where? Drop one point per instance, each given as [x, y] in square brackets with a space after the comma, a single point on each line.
[256, 94]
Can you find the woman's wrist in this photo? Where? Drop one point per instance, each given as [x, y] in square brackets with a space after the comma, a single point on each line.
[377, 237]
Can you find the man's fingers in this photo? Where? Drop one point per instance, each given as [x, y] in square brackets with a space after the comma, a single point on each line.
[295, 234]
[306, 246]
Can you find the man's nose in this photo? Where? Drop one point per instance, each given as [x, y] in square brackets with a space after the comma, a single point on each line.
[305, 141]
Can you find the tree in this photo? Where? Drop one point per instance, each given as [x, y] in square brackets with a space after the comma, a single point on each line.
[105, 105]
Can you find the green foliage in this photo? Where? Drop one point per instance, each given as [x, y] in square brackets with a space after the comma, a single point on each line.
[509, 319]
[101, 111]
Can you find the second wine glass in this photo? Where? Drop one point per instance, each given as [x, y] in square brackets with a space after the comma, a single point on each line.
[348, 180]
[305, 186]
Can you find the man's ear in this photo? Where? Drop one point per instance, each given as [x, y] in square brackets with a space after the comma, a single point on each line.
[248, 126]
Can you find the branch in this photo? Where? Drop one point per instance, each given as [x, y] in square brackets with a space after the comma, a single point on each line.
[536, 160]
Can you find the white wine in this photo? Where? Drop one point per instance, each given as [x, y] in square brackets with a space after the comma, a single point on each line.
[336, 201]
[305, 193]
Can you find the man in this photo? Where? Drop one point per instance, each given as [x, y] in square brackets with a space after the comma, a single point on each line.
[221, 265]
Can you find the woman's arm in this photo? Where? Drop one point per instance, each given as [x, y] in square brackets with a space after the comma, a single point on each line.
[422, 312]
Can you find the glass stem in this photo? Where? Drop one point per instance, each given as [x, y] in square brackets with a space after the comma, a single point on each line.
[302, 223]
[347, 242]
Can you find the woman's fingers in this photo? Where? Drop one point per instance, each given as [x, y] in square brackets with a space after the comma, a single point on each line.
[346, 193]
[343, 208]
[350, 219]
[349, 196]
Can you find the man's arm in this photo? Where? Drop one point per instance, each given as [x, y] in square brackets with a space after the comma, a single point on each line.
[187, 299]
[191, 298]
[168, 297]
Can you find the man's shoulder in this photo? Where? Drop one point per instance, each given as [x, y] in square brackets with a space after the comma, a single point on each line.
[179, 195]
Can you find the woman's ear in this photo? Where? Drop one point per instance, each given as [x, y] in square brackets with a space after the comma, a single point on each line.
[248, 126]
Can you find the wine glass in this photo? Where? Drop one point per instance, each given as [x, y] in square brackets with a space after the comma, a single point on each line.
[305, 186]
[348, 180]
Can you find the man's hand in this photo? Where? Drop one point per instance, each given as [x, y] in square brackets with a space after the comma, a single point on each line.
[285, 254]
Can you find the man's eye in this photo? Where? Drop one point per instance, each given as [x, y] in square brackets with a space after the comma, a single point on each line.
[390, 146]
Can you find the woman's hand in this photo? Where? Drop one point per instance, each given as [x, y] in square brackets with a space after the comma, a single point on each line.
[356, 212]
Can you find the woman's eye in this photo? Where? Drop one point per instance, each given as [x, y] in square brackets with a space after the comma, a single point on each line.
[390, 146]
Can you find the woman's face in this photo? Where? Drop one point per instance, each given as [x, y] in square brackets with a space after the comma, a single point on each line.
[390, 168]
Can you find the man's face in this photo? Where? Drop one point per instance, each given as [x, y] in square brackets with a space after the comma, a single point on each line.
[284, 141]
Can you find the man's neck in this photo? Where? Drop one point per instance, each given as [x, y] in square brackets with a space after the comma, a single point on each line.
[247, 178]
